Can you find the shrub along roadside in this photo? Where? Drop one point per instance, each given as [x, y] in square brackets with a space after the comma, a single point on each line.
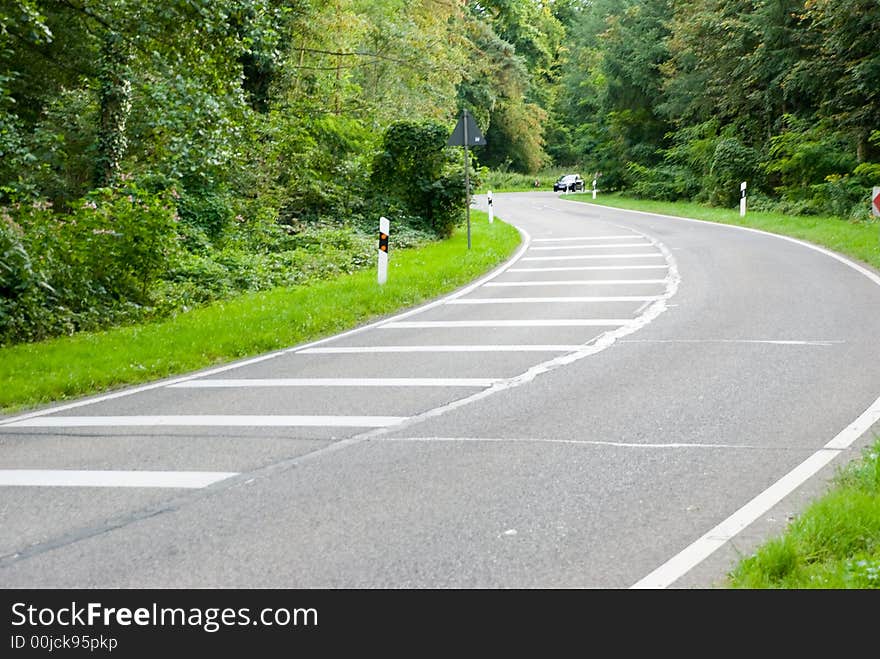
[253, 323]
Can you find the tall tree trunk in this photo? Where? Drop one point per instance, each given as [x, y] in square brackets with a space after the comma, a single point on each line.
[115, 98]
[862, 146]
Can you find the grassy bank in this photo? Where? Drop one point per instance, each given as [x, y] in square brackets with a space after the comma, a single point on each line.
[860, 240]
[36, 373]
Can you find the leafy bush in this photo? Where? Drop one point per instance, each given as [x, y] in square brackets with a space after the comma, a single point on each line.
[207, 211]
[732, 163]
[806, 154]
[664, 182]
[416, 176]
[84, 269]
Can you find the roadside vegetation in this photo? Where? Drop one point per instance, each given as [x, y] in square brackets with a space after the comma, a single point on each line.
[183, 183]
[248, 324]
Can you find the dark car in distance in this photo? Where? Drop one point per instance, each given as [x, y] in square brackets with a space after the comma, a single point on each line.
[569, 183]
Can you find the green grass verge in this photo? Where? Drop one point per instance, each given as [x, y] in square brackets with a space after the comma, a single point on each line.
[834, 544]
[67, 367]
[860, 240]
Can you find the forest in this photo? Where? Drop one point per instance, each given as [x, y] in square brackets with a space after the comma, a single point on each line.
[160, 155]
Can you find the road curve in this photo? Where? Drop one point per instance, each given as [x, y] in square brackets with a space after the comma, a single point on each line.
[634, 400]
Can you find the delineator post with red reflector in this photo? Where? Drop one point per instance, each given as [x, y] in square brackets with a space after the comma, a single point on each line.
[384, 231]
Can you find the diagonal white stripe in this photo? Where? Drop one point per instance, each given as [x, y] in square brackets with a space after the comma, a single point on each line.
[338, 382]
[527, 322]
[591, 267]
[560, 240]
[593, 256]
[78, 478]
[574, 282]
[205, 420]
[540, 300]
[440, 348]
[606, 246]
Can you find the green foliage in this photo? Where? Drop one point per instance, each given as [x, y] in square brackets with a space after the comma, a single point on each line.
[805, 154]
[415, 177]
[781, 94]
[271, 124]
[664, 182]
[87, 363]
[732, 163]
[208, 212]
[96, 263]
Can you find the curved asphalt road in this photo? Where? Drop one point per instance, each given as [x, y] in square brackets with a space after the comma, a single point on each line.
[634, 401]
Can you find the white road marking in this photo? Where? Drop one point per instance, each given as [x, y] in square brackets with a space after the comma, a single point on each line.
[592, 256]
[591, 267]
[205, 420]
[702, 548]
[560, 240]
[338, 382]
[78, 478]
[441, 348]
[555, 248]
[574, 282]
[539, 300]
[602, 342]
[255, 360]
[525, 322]
[758, 341]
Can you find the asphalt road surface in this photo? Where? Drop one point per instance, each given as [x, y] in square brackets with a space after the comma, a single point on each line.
[632, 401]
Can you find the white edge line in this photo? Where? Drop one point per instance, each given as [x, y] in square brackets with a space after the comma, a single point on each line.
[527, 239]
[695, 553]
[82, 478]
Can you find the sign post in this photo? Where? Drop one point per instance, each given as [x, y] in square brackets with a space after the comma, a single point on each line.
[466, 133]
[742, 201]
[384, 230]
[489, 196]
[875, 202]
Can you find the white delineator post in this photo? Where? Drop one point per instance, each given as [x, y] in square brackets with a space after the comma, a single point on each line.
[384, 231]
[742, 201]
[491, 214]
[594, 188]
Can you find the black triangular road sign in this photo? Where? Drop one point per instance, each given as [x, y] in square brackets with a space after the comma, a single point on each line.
[474, 136]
